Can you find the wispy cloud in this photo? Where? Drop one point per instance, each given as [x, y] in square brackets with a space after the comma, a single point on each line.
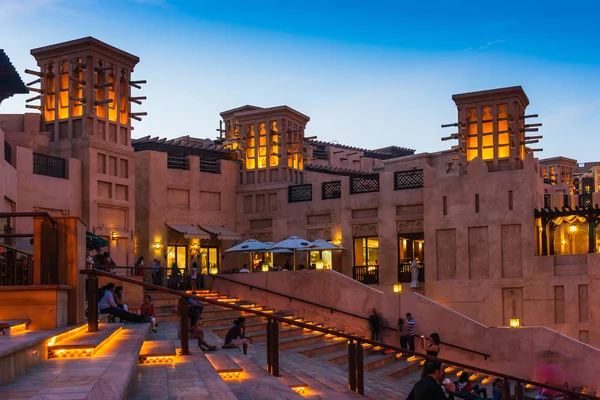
[12, 8]
[485, 46]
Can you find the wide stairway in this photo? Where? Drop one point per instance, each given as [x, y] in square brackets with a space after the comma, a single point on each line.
[129, 361]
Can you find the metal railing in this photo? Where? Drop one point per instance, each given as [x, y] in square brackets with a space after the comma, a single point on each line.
[405, 274]
[16, 266]
[367, 275]
[355, 343]
[49, 166]
[7, 152]
[332, 310]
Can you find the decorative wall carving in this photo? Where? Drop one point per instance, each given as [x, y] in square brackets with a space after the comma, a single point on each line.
[314, 234]
[262, 237]
[365, 230]
[410, 226]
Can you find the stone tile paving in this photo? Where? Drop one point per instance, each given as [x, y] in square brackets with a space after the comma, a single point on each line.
[106, 375]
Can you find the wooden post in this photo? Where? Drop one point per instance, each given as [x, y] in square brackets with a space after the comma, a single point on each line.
[518, 391]
[360, 385]
[544, 221]
[351, 366]
[506, 390]
[275, 349]
[185, 326]
[269, 347]
[92, 286]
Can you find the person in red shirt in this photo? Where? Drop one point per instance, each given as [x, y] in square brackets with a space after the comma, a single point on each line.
[147, 310]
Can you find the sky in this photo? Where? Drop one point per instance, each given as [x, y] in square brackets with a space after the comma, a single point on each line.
[368, 73]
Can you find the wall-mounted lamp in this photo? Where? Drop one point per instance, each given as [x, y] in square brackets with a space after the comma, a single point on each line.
[157, 245]
[114, 235]
[397, 287]
[195, 247]
[337, 242]
[572, 228]
[515, 322]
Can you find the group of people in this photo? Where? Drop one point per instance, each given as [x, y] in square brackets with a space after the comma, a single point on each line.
[234, 339]
[111, 302]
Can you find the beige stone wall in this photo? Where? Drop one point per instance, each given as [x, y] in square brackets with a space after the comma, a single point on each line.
[181, 197]
[517, 352]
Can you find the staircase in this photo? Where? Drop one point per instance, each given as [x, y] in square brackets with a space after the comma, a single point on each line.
[129, 361]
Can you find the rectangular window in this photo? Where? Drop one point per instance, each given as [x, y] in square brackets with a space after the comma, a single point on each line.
[250, 147]
[510, 200]
[262, 146]
[274, 153]
[123, 98]
[176, 257]
[445, 205]
[476, 203]
[101, 163]
[50, 95]
[124, 168]
[100, 89]
[112, 165]
[63, 96]
[112, 95]
[209, 260]
[472, 134]
[321, 259]
[366, 252]
[77, 90]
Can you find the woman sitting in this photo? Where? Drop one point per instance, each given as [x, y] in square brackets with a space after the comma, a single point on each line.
[236, 336]
[108, 305]
[464, 384]
[147, 310]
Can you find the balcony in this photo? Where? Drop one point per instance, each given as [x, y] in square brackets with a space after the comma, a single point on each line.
[367, 275]
[405, 275]
[299, 193]
[364, 184]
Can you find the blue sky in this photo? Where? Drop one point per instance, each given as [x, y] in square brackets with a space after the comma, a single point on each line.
[369, 74]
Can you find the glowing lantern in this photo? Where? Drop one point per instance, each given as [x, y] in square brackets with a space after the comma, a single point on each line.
[265, 267]
[398, 287]
[515, 322]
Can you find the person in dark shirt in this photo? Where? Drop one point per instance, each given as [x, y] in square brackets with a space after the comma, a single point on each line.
[375, 324]
[429, 388]
[236, 336]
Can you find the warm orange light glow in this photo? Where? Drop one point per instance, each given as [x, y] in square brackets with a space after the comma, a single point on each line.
[63, 96]
[101, 91]
[77, 90]
[274, 159]
[250, 148]
[123, 99]
[397, 287]
[17, 328]
[112, 95]
[50, 95]
[262, 146]
[515, 322]
[156, 360]
[572, 228]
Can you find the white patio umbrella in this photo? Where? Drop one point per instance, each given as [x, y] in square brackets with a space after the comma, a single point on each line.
[271, 244]
[248, 246]
[293, 243]
[320, 244]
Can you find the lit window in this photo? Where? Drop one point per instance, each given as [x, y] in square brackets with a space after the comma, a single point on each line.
[472, 132]
[250, 148]
[262, 146]
[487, 134]
[112, 95]
[50, 95]
[274, 157]
[503, 132]
[63, 96]
[123, 100]
[366, 252]
[100, 90]
[77, 90]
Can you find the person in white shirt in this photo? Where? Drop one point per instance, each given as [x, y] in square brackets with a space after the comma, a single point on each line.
[245, 269]
[108, 305]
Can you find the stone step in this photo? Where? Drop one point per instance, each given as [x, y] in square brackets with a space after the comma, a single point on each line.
[297, 385]
[317, 349]
[397, 369]
[300, 340]
[222, 330]
[84, 344]
[12, 326]
[157, 351]
[283, 333]
[224, 320]
[225, 365]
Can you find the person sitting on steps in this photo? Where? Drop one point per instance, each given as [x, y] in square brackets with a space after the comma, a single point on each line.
[108, 305]
[236, 336]
[147, 310]
[197, 333]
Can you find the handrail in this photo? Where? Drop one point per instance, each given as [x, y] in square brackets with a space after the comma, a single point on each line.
[16, 249]
[484, 355]
[327, 331]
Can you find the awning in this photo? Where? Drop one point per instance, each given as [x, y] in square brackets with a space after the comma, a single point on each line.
[190, 231]
[221, 232]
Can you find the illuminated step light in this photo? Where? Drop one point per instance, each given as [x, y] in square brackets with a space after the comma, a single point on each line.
[422, 363]
[56, 351]
[156, 360]
[412, 359]
[399, 355]
[449, 369]
[473, 377]
[529, 386]
[486, 380]
[269, 311]
[289, 317]
[230, 375]
[17, 328]
[378, 348]
[228, 300]
[298, 389]
[252, 306]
